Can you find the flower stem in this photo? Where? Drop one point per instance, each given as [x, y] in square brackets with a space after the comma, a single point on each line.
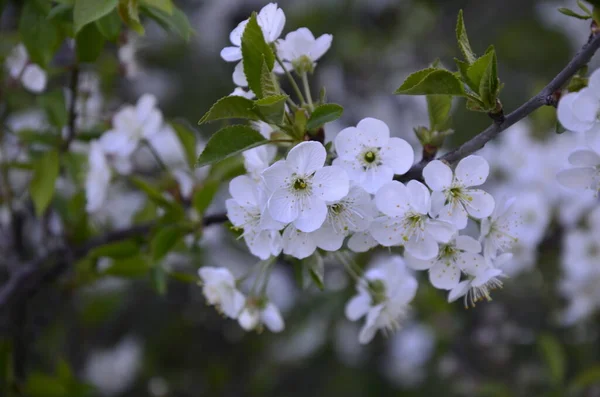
[156, 155]
[350, 267]
[291, 80]
[307, 91]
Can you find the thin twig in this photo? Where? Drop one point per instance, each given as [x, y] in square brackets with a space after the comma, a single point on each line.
[545, 97]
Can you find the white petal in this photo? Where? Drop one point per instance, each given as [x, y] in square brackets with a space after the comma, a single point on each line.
[592, 138]
[264, 243]
[367, 333]
[472, 264]
[233, 303]
[444, 275]
[243, 190]
[418, 264]
[423, 248]
[306, 157]
[398, 155]
[346, 143]
[284, 206]
[239, 76]
[454, 213]
[298, 244]
[419, 197]
[392, 199]
[472, 171]
[460, 290]
[236, 34]
[437, 175]
[594, 83]
[586, 106]
[387, 231]
[358, 306]
[566, 116]
[237, 214]
[441, 231]
[271, 317]
[438, 201]
[376, 177]
[373, 132]
[578, 178]
[468, 244]
[485, 276]
[34, 78]
[321, 46]
[231, 54]
[277, 176]
[328, 239]
[249, 319]
[584, 158]
[361, 242]
[331, 183]
[481, 204]
[312, 215]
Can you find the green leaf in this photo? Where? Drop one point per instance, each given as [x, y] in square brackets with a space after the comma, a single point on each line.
[53, 103]
[60, 11]
[432, 82]
[187, 137]
[228, 142]
[255, 51]
[159, 279]
[164, 241]
[268, 81]
[134, 266]
[463, 39]
[439, 107]
[583, 7]
[488, 87]
[40, 35]
[203, 197]
[176, 23]
[118, 250]
[316, 269]
[110, 25]
[554, 358]
[586, 378]
[87, 11]
[571, 13]
[322, 114]
[230, 107]
[45, 172]
[129, 12]
[163, 5]
[89, 43]
[477, 69]
[152, 193]
[42, 385]
[271, 108]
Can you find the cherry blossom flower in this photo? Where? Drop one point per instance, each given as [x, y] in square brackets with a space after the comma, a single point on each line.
[132, 124]
[301, 186]
[405, 221]
[578, 111]
[586, 171]
[370, 156]
[259, 311]
[383, 297]
[481, 280]
[247, 210]
[298, 243]
[445, 269]
[98, 178]
[452, 198]
[498, 232]
[31, 75]
[300, 50]
[218, 287]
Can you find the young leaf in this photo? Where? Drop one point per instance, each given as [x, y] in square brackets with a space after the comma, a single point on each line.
[129, 12]
[438, 107]
[477, 69]
[163, 5]
[228, 142]
[230, 107]
[203, 197]
[583, 7]
[187, 137]
[53, 103]
[45, 172]
[87, 11]
[110, 25]
[488, 87]
[152, 193]
[324, 114]
[463, 39]
[432, 82]
[572, 13]
[255, 51]
[40, 35]
[271, 108]
[164, 241]
[268, 82]
[177, 22]
[159, 279]
[89, 43]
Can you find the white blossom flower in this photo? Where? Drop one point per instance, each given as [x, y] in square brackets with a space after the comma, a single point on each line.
[32, 76]
[271, 20]
[586, 171]
[445, 269]
[127, 57]
[132, 124]
[498, 232]
[578, 111]
[452, 198]
[298, 243]
[300, 50]
[383, 297]
[301, 186]
[247, 210]
[481, 280]
[218, 287]
[353, 213]
[98, 178]
[405, 221]
[370, 156]
[259, 311]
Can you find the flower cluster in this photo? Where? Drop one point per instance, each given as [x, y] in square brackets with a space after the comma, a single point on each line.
[19, 67]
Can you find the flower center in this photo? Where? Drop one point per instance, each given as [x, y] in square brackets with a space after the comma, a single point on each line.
[337, 208]
[377, 290]
[370, 157]
[300, 184]
[414, 225]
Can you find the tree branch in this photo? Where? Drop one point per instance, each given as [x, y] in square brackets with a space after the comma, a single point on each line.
[545, 97]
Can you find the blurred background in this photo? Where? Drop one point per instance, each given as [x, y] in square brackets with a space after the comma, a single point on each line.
[538, 337]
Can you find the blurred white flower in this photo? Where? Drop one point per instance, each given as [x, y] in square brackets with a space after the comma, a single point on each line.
[127, 56]
[409, 350]
[258, 312]
[300, 186]
[406, 221]
[452, 198]
[370, 156]
[239, 91]
[98, 178]
[499, 231]
[578, 111]
[383, 297]
[586, 171]
[218, 286]
[482, 278]
[300, 50]
[32, 76]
